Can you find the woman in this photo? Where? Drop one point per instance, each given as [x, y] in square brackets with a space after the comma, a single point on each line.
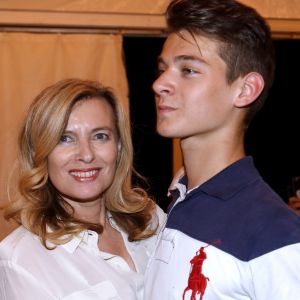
[85, 232]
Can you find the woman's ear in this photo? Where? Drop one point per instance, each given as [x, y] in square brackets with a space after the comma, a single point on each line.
[251, 85]
[119, 149]
[119, 146]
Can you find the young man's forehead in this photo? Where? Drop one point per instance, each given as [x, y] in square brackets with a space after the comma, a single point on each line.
[182, 58]
[185, 47]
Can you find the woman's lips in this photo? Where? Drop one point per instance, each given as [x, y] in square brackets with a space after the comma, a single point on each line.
[84, 174]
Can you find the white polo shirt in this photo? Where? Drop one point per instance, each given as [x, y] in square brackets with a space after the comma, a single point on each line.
[231, 238]
[76, 270]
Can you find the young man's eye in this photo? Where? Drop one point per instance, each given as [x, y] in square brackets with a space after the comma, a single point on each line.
[189, 71]
[159, 71]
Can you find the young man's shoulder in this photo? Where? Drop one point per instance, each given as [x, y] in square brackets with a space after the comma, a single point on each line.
[238, 208]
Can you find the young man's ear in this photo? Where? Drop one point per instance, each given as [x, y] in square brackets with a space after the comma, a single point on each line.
[252, 85]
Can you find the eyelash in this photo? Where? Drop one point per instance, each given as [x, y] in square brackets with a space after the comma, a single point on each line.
[102, 136]
[184, 70]
[189, 71]
[65, 138]
[159, 72]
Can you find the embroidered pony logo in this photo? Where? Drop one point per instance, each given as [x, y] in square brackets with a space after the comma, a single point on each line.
[197, 282]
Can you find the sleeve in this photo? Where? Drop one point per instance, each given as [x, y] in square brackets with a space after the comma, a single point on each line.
[18, 284]
[276, 275]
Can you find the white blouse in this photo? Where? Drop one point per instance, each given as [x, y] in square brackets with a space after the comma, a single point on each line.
[77, 270]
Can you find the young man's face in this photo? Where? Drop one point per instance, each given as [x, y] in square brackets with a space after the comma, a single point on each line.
[192, 94]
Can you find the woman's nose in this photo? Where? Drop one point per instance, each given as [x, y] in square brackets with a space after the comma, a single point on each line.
[85, 152]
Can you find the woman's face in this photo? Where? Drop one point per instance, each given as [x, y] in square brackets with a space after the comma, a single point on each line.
[82, 166]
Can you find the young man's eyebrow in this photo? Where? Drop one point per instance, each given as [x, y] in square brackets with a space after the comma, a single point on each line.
[189, 58]
[180, 58]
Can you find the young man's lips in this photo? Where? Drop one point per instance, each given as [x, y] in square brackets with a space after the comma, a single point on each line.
[165, 108]
[84, 174]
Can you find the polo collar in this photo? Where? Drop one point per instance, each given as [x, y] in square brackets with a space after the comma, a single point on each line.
[229, 181]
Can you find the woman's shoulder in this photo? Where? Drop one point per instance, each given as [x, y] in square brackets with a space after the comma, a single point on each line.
[162, 216]
[159, 217]
[14, 244]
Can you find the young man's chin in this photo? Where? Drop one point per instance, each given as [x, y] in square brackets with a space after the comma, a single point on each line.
[164, 132]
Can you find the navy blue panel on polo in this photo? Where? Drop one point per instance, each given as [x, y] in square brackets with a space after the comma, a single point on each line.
[238, 208]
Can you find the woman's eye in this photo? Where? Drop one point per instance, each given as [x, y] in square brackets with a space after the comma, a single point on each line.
[65, 139]
[101, 136]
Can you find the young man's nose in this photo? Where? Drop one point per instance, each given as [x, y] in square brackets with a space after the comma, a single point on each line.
[163, 85]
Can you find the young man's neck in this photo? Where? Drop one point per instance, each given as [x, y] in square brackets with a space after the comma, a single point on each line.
[202, 161]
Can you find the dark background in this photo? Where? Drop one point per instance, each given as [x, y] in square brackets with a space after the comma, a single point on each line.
[272, 138]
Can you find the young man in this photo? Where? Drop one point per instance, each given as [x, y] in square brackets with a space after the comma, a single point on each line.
[228, 235]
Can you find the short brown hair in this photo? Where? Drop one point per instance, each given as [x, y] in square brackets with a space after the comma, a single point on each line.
[245, 39]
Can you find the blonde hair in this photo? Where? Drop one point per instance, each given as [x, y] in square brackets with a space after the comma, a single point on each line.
[38, 206]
